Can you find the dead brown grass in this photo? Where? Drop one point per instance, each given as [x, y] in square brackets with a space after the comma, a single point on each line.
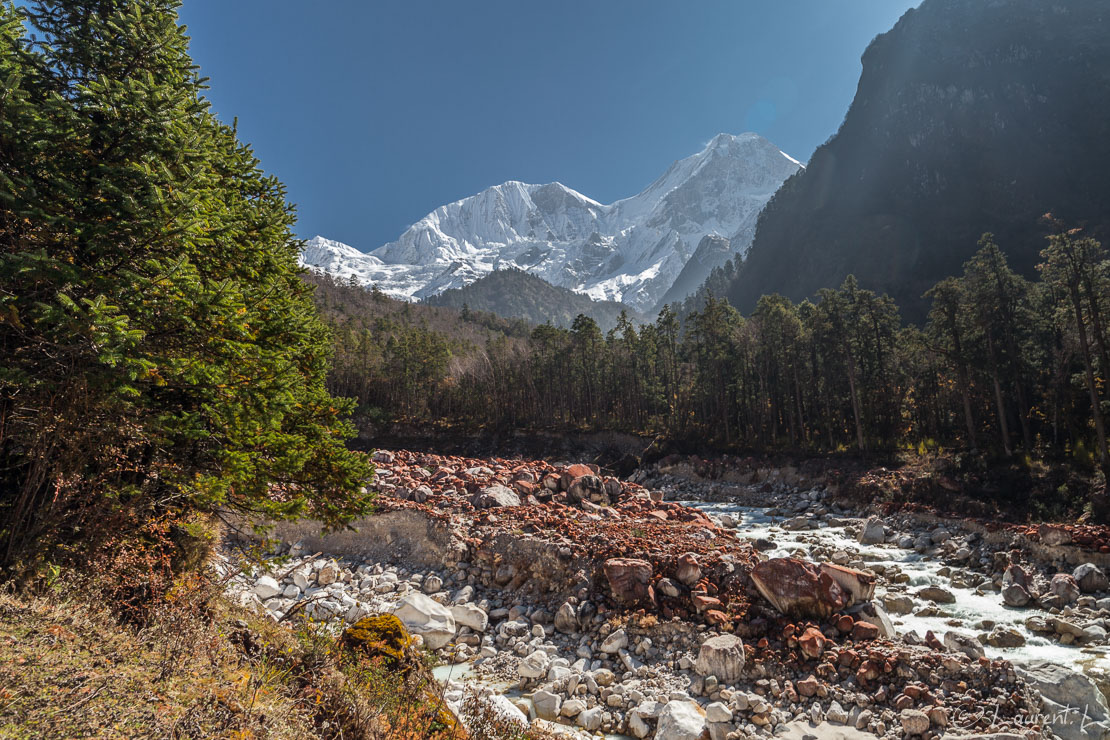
[202, 668]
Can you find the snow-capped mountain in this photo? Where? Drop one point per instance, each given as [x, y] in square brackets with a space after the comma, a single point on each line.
[629, 251]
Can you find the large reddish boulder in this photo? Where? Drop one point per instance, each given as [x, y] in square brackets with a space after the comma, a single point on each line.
[629, 579]
[799, 589]
[573, 473]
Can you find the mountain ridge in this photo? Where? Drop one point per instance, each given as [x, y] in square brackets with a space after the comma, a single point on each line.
[629, 251]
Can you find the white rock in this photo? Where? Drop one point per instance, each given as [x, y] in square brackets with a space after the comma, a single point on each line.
[681, 720]
[614, 642]
[534, 666]
[426, 618]
[469, 615]
[590, 719]
[547, 704]
[572, 707]
[721, 656]
[266, 587]
[873, 532]
[718, 712]
[503, 707]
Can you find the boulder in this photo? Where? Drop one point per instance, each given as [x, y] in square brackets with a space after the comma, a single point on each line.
[836, 714]
[576, 471]
[431, 584]
[798, 589]
[914, 722]
[572, 708]
[812, 642]
[937, 595]
[873, 533]
[688, 571]
[591, 719]
[503, 708]
[1005, 637]
[668, 588]
[897, 603]
[642, 717]
[858, 585]
[535, 665]
[495, 497]
[267, 587]
[629, 579]
[1064, 587]
[969, 646]
[1014, 573]
[604, 677]
[566, 618]
[429, 619]
[547, 704]
[681, 720]
[721, 656]
[586, 488]
[1090, 578]
[718, 712]
[864, 631]
[1014, 594]
[877, 616]
[470, 615]
[614, 642]
[1075, 707]
[1054, 535]
[382, 636]
[328, 574]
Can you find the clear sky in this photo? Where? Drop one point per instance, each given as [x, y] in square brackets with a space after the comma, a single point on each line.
[375, 112]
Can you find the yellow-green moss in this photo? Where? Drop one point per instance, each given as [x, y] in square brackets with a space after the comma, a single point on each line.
[383, 636]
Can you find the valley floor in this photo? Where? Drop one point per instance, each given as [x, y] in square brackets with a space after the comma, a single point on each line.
[694, 599]
[573, 600]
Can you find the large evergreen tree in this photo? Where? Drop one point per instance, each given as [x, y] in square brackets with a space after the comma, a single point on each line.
[158, 350]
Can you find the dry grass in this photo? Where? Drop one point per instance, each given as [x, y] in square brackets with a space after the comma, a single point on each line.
[69, 669]
[202, 668]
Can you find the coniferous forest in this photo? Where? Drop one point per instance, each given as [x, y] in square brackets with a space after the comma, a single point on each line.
[1004, 366]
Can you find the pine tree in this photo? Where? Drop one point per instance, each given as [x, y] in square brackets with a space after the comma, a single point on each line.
[1079, 267]
[160, 351]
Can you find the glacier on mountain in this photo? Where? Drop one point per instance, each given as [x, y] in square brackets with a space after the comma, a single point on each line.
[630, 251]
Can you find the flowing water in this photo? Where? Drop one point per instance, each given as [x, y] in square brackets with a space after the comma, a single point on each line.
[970, 607]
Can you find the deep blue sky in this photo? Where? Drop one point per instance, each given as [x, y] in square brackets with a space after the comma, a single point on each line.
[374, 113]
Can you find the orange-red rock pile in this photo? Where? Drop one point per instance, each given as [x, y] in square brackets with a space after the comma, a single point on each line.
[587, 515]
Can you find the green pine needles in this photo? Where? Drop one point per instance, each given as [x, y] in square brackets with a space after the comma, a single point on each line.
[158, 351]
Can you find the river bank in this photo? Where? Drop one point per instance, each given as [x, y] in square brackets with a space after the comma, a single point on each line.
[582, 601]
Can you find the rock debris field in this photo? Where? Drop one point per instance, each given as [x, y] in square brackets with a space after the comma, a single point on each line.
[680, 607]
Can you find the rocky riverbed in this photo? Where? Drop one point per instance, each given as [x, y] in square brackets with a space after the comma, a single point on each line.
[674, 607]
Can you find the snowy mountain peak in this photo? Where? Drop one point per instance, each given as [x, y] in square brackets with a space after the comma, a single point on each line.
[629, 251]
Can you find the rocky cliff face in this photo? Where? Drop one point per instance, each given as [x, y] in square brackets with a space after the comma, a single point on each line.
[969, 117]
